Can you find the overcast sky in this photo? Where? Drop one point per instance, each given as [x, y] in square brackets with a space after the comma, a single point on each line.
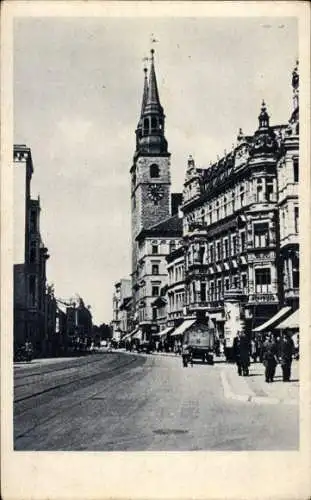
[77, 96]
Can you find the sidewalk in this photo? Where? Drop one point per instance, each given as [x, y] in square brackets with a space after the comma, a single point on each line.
[255, 389]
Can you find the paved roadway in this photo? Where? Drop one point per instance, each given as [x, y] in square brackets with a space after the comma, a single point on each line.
[131, 402]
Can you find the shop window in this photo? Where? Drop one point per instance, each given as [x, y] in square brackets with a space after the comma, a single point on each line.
[262, 279]
[296, 169]
[261, 235]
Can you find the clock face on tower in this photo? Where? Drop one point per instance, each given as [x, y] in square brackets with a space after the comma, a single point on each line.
[155, 192]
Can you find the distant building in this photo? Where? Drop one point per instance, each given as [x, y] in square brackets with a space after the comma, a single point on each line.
[121, 310]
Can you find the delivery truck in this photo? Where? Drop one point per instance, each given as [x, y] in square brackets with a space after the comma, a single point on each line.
[201, 340]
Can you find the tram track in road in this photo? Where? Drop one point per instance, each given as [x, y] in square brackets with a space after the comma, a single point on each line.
[75, 380]
[72, 366]
[64, 408]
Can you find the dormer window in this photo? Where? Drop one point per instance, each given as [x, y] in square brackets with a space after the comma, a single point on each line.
[154, 170]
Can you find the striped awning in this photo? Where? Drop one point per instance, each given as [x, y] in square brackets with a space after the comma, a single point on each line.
[272, 322]
[183, 327]
[164, 332]
[290, 323]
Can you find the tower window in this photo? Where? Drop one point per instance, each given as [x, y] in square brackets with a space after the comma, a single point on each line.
[146, 126]
[33, 221]
[33, 252]
[154, 124]
[154, 170]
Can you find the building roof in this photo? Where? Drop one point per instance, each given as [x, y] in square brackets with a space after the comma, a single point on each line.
[169, 227]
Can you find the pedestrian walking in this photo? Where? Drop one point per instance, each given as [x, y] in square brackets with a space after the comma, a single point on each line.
[286, 350]
[241, 353]
[269, 358]
[186, 354]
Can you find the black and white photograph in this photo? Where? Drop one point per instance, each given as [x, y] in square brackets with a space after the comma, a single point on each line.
[156, 233]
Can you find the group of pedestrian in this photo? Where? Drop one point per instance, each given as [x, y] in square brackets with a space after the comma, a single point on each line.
[270, 351]
[278, 350]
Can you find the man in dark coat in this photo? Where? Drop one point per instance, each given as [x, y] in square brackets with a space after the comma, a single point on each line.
[241, 353]
[270, 358]
[286, 349]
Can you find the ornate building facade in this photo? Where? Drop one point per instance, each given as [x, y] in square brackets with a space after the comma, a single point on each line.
[239, 246]
[288, 202]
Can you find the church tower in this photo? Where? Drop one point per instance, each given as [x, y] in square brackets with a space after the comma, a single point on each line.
[150, 172]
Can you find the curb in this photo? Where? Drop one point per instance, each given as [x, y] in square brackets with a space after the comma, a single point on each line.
[252, 398]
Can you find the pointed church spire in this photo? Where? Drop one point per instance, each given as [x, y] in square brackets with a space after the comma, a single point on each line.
[153, 101]
[150, 136]
[145, 92]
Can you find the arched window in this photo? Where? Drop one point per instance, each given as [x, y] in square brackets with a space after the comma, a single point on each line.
[146, 126]
[154, 170]
[154, 124]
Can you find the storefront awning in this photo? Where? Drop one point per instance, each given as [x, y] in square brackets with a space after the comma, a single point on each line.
[163, 333]
[183, 327]
[291, 323]
[273, 321]
[126, 336]
[137, 335]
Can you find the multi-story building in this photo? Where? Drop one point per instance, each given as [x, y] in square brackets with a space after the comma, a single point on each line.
[154, 245]
[120, 303]
[288, 203]
[176, 286]
[30, 256]
[232, 234]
